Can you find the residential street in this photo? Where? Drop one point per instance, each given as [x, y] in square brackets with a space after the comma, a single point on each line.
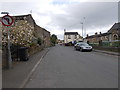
[63, 67]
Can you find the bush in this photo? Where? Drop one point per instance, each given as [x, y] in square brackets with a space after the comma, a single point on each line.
[115, 44]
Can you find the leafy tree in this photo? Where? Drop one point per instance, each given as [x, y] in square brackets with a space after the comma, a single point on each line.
[53, 39]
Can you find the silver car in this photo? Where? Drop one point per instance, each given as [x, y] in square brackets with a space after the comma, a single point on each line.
[82, 46]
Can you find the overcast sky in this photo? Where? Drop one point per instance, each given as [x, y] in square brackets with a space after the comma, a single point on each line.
[57, 15]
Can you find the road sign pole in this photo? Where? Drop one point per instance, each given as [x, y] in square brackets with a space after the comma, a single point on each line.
[8, 21]
[9, 52]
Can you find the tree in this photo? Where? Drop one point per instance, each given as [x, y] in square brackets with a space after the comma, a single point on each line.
[53, 39]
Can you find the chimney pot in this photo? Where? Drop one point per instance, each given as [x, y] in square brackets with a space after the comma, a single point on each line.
[96, 33]
[87, 35]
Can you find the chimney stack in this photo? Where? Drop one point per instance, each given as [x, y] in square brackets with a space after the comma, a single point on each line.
[87, 35]
[96, 33]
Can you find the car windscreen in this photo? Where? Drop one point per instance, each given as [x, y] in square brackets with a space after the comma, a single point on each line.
[84, 44]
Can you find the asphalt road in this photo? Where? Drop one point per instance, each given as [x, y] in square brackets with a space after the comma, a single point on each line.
[63, 67]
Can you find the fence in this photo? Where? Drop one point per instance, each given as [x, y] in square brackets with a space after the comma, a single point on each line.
[107, 44]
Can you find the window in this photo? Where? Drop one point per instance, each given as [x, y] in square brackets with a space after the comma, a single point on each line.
[106, 37]
[115, 37]
[69, 37]
[75, 36]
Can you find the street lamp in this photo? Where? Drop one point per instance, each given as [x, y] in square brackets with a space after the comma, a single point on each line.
[82, 28]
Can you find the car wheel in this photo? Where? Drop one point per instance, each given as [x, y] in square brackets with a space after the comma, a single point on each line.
[81, 49]
[75, 49]
[91, 50]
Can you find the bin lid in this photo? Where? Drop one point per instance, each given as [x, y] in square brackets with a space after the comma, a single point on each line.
[23, 48]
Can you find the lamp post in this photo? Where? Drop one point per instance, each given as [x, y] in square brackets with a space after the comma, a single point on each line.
[9, 52]
[82, 28]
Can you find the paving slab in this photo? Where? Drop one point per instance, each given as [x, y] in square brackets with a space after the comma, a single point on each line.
[107, 52]
[14, 77]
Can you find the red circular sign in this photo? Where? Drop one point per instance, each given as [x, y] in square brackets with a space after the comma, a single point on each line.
[7, 20]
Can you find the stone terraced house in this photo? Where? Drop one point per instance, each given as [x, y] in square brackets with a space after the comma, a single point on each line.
[111, 36]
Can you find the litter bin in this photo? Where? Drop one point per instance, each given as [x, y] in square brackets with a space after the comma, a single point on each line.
[23, 55]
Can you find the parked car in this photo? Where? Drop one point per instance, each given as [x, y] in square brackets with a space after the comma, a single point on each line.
[82, 46]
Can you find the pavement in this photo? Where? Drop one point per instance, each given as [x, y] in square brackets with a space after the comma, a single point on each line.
[108, 52]
[16, 76]
[21, 71]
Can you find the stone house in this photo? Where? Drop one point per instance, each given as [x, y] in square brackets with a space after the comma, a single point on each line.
[111, 35]
[115, 32]
[25, 31]
[43, 34]
[97, 37]
[46, 36]
[71, 37]
[21, 31]
[26, 25]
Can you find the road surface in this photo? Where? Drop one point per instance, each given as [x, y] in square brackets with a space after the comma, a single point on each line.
[63, 67]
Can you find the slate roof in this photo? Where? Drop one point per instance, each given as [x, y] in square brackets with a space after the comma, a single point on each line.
[98, 35]
[22, 17]
[71, 33]
[116, 26]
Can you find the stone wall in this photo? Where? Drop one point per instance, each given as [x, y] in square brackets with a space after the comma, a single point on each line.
[46, 38]
[25, 32]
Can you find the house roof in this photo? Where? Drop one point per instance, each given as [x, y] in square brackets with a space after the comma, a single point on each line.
[71, 33]
[21, 17]
[116, 26]
[98, 35]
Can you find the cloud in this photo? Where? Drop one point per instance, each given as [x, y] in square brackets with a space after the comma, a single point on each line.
[60, 1]
[99, 16]
[57, 15]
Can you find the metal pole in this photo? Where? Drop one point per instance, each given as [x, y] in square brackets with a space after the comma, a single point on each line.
[82, 29]
[9, 52]
[84, 26]
[64, 35]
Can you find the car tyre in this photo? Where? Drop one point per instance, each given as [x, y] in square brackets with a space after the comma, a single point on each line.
[81, 49]
[91, 50]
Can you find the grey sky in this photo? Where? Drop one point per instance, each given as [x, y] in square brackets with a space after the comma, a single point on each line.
[57, 15]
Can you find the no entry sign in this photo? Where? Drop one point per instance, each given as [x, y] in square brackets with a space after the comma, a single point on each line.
[7, 20]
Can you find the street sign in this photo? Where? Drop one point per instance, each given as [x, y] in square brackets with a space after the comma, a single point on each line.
[7, 20]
